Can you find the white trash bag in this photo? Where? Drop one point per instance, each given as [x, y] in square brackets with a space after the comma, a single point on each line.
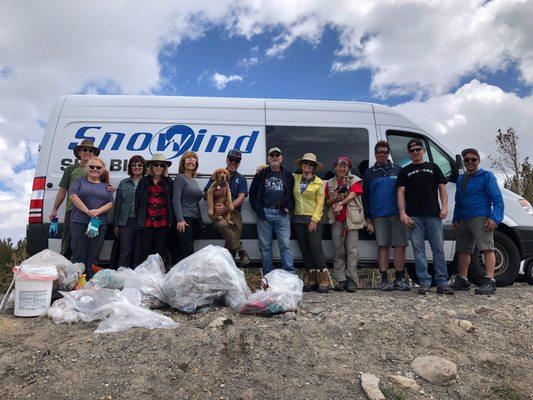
[203, 278]
[148, 278]
[283, 292]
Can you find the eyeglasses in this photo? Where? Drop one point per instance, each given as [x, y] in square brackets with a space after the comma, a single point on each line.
[274, 155]
[97, 167]
[190, 159]
[137, 165]
[470, 159]
[158, 165]
[234, 160]
[415, 149]
[311, 163]
[383, 152]
[87, 149]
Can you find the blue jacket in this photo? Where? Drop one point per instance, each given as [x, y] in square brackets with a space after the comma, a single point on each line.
[482, 198]
[379, 191]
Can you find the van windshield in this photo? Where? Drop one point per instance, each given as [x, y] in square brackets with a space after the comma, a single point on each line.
[325, 142]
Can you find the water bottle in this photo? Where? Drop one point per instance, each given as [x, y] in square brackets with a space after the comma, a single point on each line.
[54, 228]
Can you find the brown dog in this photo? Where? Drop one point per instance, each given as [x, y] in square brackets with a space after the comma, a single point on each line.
[219, 193]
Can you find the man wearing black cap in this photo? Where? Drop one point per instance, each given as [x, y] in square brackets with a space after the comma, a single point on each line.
[239, 191]
[419, 185]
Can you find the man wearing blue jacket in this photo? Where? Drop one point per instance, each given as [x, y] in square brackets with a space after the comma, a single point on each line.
[381, 211]
[478, 211]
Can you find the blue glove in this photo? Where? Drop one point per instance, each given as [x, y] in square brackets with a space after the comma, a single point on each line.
[92, 228]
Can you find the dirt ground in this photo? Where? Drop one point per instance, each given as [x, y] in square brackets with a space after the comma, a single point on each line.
[316, 353]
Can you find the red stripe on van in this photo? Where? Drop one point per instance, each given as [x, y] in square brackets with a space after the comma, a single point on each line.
[37, 200]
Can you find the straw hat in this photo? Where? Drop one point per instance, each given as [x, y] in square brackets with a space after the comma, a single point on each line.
[86, 143]
[309, 157]
[158, 157]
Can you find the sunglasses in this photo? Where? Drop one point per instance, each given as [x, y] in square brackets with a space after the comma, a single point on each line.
[159, 165]
[383, 152]
[275, 154]
[97, 167]
[415, 149]
[190, 159]
[234, 160]
[87, 149]
[137, 165]
[311, 163]
[468, 159]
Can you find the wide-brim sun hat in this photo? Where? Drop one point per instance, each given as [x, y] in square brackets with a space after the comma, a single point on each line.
[158, 157]
[86, 143]
[309, 157]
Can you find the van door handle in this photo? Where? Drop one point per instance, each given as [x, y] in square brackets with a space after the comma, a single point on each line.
[49, 185]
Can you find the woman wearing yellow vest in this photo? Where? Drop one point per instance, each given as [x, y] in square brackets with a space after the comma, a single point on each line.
[307, 214]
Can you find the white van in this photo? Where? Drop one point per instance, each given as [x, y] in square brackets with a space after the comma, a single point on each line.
[122, 126]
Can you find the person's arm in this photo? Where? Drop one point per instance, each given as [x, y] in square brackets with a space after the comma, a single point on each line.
[496, 198]
[319, 206]
[444, 200]
[456, 207]
[331, 196]
[105, 208]
[290, 187]
[365, 198]
[237, 202]
[79, 204]
[406, 220]
[60, 197]
[243, 192]
[254, 187]
[176, 200]
[118, 205]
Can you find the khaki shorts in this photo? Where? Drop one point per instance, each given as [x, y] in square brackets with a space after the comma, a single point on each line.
[390, 232]
[472, 232]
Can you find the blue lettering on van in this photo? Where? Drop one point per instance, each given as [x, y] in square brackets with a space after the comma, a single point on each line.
[173, 140]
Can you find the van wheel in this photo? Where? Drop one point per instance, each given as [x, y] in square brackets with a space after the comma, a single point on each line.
[529, 272]
[507, 262]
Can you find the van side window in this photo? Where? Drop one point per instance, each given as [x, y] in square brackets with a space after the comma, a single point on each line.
[442, 160]
[327, 143]
[398, 147]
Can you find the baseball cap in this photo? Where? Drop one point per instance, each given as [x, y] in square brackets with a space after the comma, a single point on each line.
[415, 142]
[466, 151]
[273, 149]
[234, 153]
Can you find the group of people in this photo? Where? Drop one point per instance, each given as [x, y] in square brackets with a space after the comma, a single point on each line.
[397, 204]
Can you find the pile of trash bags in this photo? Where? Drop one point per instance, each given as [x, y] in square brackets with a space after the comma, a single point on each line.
[124, 298]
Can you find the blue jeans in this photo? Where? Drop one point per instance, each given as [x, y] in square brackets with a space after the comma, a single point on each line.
[430, 229]
[280, 223]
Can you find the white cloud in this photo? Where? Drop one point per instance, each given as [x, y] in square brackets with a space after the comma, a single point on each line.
[247, 63]
[471, 116]
[220, 81]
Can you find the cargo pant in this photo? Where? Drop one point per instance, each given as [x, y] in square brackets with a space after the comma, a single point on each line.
[231, 234]
[66, 249]
[346, 253]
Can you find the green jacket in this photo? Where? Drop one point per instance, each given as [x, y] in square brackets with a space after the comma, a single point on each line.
[124, 199]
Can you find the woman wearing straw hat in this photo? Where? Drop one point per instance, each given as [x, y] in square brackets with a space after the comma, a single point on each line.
[153, 208]
[308, 209]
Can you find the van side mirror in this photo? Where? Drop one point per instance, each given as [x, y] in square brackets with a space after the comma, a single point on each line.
[459, 162]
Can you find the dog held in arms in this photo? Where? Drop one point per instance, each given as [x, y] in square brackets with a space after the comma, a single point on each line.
[219, 193]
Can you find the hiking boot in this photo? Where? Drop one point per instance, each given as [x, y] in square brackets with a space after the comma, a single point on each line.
[401, 285]
[311, 281]
[244, 258]
[323, 281]
[351, 286]
[423, 289]
[461, 283]
[386, 286]
[340, 286]
[487, 287]
[445, 289]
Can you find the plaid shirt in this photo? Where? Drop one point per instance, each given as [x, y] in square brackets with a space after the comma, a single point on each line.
[156, 210]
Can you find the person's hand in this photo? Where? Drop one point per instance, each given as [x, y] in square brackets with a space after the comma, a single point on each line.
[180, 226]
[369, 225]
[220, 209]
[443, 212]
[53, 214]
[260, 168]
[110, 188]
[490, 225]
[312, 226]
[93, 213]
[405, 219]
[456, 226]
[286, 210]
[117, 230]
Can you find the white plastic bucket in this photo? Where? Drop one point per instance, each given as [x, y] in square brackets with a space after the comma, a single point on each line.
[33, 290]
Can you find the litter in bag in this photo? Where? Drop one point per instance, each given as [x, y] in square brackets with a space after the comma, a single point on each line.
[117, 310]
[283, 292]
[108, 279]
[61, 311]
[68, 274]
[204, 277]
[148, 278]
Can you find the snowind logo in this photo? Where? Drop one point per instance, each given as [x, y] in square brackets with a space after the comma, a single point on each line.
[175, 139]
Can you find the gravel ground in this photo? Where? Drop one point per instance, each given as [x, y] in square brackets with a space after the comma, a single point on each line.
[318, 352]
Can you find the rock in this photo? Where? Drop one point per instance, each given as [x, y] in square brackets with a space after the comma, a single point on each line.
[219, 322]
[483, 310]
[370, 384]
[404, 382]
[466, 325]
[450, 313]
[289, 316]
[317, 310]
[434, 369]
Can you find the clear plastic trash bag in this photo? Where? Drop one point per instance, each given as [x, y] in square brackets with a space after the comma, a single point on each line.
[68, 273]
[109, 279]
[283, 292]
[203, 278]
[148, 278]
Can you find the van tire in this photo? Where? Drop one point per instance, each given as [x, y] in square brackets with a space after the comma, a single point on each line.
[528, 270]
[507, 262]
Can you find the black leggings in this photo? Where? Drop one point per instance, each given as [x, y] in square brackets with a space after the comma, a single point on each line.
[186, 238]
[151, 241]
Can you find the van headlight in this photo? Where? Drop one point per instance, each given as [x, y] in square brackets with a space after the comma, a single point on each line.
[526, 205]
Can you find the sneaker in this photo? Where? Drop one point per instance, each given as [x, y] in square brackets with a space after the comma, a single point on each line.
[323, 281]
[401, 285]
[311, 281]
[461, 283]
[445, 289]
[423, 289]
[351, 286]
[487, 287]
[340, 286]
[244, 258]
[386, 286]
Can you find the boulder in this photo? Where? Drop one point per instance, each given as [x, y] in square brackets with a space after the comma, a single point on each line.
[370, 384]
[434, 369]
[466, 325]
